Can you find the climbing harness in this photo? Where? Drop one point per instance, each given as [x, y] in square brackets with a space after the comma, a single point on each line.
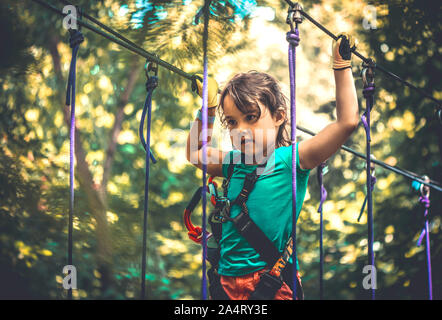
[151, 84]
[323, 193]
[279, 269]
[292, 37]
[424, 200]
[368, 91]
[76, 38]
[373, 181]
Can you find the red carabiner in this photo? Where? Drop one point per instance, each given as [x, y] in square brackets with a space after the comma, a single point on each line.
[196, 233]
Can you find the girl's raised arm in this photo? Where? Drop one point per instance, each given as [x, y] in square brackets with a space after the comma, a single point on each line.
[314, 151]
[194, 148]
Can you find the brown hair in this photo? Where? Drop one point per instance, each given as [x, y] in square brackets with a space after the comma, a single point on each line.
[246, 89]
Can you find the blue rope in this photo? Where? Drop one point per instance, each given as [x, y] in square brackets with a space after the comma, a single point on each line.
[204, 148]
[151, 84]
[368, 92]
[321, 231]
[143, 141]
[293, 39]
[76, 38]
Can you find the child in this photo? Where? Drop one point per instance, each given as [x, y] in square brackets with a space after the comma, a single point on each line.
[254, 111]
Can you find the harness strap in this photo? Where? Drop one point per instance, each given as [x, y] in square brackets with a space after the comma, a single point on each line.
[270, 281]
[248, 228]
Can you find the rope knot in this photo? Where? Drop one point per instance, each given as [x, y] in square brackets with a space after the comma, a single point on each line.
[368, 91]
[292, 38]
[151, 83]
[425, 201]
[76, 38]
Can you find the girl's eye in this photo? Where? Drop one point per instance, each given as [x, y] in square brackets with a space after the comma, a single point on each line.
[231, 122]
[251, 117]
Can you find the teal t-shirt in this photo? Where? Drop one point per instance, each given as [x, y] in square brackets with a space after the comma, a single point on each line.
[270, 207]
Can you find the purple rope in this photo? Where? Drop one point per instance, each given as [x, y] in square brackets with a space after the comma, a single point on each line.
[369, 99]
[140, 131]
[151, 84]
[425, 200]
[373, 181]
[76, 38]
[293, 40]
[321, 231]
[204, 148]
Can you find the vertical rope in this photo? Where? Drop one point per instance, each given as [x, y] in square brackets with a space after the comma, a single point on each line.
[76, 38]
[373, 181]
[321, 231]
[151, 84]
[293, 39]
[425, 200]
[204, 147]
[368, 92]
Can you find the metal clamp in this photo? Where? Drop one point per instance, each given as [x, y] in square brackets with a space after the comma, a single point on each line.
[368, 67]
[222, 211]
[151, 67]
[424, 189]
[294, 15]
[372, 165]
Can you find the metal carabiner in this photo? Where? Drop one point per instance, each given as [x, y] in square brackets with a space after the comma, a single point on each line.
[425, 190]
[151, 67]
[372, 166]
[294, 15]
[368, 72]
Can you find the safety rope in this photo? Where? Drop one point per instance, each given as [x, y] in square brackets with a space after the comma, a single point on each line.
[424, 199]
[323, 192]
[368, 91]
[204, 148]
[150, 66]
[373, 181]
[151, 84]
[76, 38]
[293, 39]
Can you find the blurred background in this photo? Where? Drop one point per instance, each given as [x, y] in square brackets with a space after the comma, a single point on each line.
[403, 36]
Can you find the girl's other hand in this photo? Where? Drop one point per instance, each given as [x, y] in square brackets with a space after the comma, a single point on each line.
[212, 91]
[341, 51]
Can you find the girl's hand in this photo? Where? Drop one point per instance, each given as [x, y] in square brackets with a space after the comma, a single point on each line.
[341, 51]
[212, 92]
[314, 151]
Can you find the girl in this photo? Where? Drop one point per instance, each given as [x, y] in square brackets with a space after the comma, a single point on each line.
[253, 109]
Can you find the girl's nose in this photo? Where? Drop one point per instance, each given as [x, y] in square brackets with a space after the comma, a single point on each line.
[244, 128]
[245, 131]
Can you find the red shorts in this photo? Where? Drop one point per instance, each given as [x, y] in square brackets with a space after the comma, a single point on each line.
[240, 288]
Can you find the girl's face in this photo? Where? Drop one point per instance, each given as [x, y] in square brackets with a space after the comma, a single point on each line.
[255, 137]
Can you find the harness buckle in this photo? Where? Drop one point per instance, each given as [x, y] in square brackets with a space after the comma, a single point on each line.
[251, 178]
[222, 210]
[267, 287]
